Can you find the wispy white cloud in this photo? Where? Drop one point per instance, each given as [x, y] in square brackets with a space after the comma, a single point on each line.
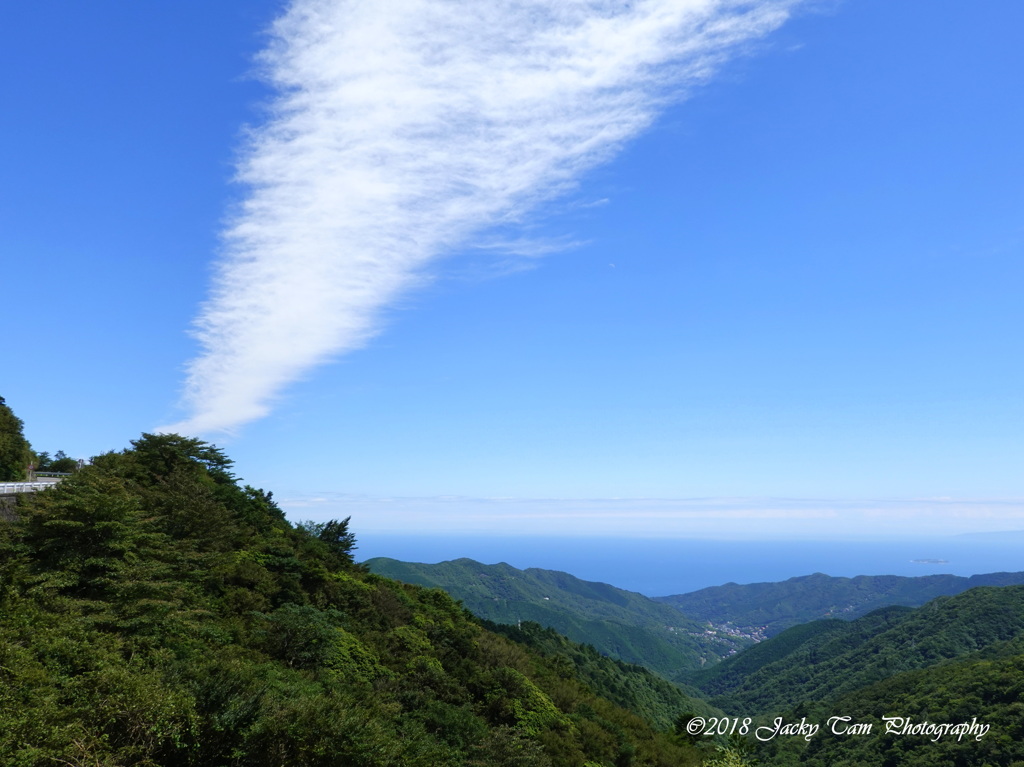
[401, 130]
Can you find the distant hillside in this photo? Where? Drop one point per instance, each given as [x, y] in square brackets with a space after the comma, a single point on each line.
[619, 623]
[775, 607]
[823, 660]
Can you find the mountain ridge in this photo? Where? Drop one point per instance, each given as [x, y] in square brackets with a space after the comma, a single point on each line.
[778, 605]
[623, 624]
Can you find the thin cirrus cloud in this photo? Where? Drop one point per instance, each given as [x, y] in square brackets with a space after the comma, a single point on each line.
[403, 130]
[667, 518]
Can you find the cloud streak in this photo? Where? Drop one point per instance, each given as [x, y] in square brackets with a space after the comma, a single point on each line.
[404, 130]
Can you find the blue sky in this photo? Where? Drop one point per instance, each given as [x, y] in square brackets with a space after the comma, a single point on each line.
[782, 297]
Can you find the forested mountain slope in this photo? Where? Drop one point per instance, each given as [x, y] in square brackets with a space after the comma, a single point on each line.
[970, 711]
[155, 612]
[619, 623]
[630, 686]
[778, 606]
[823, 660]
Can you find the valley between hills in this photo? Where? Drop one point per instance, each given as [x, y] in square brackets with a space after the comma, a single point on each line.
[792, 651]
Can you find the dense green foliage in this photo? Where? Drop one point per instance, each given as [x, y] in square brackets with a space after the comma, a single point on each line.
[60, 462]
[629, 685]
[822, 661]
[973, 690]
[622, 624]
[775, 607]
[15, 451]
[155, 612]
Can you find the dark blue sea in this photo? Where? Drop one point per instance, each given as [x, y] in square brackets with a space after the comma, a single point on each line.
[665, 566]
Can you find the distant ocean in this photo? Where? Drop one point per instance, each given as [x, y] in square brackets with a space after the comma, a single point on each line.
[662, 567]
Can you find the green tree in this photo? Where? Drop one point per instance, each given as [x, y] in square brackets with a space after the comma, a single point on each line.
[339, 541]
[159, 456]
[15, 452]
[60, 462]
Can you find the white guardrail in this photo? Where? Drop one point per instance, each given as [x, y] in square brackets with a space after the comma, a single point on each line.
[10, 488]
